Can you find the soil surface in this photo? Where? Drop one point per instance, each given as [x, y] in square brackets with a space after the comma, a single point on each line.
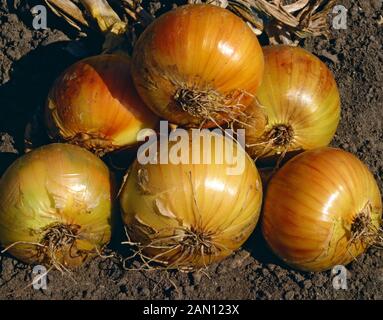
[30, 60]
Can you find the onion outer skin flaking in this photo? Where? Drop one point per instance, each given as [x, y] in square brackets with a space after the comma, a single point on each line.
[54, 192]
[196, 211]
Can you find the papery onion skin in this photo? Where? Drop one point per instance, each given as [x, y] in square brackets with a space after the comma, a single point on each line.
[205, 49]
[94, 104]
[299, 92]
[311, 205]
[55, 187]
[189, 201]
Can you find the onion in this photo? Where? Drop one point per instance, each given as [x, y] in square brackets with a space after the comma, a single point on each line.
[300, 100]
[185, 215]
[94, 104]
[55, 206]
[323, 208]
[197, 66]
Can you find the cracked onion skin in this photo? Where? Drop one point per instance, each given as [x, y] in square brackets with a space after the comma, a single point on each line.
[57, 188]
[198, 207]
[300, 100]
[94, 104]
[313, 209]
[205, 52]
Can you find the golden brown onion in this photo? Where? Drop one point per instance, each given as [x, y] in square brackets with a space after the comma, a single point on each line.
[189, 215]
[299, 99]
[323, 208]
[94, 104]
[55, 206]
[197, 65]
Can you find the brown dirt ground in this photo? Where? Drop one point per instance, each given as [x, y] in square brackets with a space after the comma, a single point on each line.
[30, 60]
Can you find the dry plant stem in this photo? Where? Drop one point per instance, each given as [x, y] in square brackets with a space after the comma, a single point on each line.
[283, 23]
[100, 10]
[106, 18]
[134, 10]
[109, 23]
[69, 11]
[287, 23]
[240, 8]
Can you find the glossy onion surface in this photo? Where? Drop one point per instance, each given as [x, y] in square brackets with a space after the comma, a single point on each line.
[197, 65]
[55, 206]
[323, 208]
[94, 104]
[189, 215]
[301, 102]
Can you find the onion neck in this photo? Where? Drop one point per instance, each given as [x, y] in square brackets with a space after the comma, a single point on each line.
[208, 107]
[281, 136]
[96, 143]
[198, 103]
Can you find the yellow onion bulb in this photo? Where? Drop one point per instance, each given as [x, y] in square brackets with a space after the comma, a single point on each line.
[186, 216]
[94, 104]
[197, 65]
[300, 100]
[323, 208]
[55, 206]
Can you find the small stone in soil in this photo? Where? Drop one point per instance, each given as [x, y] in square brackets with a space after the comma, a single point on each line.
[196, 277]
[240, 259]
[307, 284]
[263, 294]
[319, 280]
[265, 272]
[221, 268]
[271, 267]
[143, 291]
[376, 4]
[252, 277]
[289, 295]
